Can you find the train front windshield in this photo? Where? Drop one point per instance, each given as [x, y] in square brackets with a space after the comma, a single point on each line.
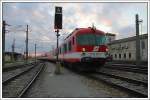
[91, 39]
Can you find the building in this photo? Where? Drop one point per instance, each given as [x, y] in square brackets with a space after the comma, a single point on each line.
[125, 49]
[9, 55]
[110, 37]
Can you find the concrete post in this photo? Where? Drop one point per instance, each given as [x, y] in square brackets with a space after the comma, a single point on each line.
[3, 43]
[27, 44]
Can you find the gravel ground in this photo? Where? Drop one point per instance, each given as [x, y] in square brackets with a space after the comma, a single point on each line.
[69, 84]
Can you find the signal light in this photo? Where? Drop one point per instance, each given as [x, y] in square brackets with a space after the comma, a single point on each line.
[58, 18]
[58, 21]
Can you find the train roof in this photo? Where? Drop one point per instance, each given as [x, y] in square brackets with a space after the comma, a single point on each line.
[85, 30]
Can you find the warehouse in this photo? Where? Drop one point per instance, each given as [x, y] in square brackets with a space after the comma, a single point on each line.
[125, 49]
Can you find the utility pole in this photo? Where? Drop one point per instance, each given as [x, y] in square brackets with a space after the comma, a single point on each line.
[27, 44]
[3, 43]
[13, 50]
[35, 53]
[138, 53]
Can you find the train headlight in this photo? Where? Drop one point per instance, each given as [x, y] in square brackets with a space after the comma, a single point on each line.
[83, 49]
[106, 49]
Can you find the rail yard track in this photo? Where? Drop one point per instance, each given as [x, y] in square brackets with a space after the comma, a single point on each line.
[130, 68]
[13, 67]
[134, 87]
[18, 84]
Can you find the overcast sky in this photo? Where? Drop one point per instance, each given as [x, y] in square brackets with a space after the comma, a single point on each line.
[117, 18]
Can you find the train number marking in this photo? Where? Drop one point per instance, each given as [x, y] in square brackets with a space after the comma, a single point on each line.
[96, 48]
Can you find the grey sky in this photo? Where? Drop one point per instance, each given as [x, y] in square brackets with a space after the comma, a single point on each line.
[117, 18]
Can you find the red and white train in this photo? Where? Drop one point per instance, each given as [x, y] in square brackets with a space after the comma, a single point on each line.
[84, 49]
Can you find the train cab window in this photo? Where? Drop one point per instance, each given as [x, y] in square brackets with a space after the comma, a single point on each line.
[73, 41]
[91, 39]
[120, 56]
[129, 55]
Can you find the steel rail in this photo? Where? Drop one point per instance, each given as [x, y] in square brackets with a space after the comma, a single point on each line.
[124, 78]
[136, 70]
[13, 67]
[17, 75]
[31, 82]
[113, 84]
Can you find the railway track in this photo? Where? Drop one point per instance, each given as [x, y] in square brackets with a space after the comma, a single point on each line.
[131, 65]
[134, 87]
[14, 72]
[13, 67]
[17, 85]
[143, 70]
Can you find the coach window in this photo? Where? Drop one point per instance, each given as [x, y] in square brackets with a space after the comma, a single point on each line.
[69, 46]
[120, 56]
[65, 48]
[60, 50]
[73, 40]
[129, 55]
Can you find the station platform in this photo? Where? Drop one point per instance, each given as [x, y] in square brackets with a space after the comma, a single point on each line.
[68, 85]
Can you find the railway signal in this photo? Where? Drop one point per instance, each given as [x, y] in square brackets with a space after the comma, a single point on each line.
[58, 18]
[57, 26]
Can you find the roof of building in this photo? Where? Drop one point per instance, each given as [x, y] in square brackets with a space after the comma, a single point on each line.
[143, 36]
[110, 34]
[15, 53]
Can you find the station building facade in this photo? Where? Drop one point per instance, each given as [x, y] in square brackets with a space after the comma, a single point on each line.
[125, 49]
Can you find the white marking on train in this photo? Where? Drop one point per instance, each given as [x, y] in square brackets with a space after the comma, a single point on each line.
[96, 48]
